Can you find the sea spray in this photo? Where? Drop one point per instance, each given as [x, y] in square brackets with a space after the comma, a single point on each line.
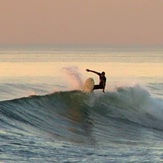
[73, 76]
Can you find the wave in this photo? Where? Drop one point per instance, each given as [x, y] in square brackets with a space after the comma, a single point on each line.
[80, 117]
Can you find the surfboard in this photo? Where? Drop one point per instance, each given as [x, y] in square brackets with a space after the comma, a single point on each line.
[88, 85]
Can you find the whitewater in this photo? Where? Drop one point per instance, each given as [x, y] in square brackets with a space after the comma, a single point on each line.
[45, 116]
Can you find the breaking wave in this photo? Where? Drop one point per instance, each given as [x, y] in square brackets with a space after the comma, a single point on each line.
[80, 117]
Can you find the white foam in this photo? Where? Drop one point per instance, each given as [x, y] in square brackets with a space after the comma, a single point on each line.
[135, 104]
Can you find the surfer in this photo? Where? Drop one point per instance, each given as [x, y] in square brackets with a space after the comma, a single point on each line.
[102, 78]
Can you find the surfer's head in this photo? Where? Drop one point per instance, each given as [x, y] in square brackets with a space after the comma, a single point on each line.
[103, 73]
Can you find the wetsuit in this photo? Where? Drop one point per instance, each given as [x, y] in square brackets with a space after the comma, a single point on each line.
[102, 82]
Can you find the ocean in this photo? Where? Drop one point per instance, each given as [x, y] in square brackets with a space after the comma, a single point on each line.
[45, 116]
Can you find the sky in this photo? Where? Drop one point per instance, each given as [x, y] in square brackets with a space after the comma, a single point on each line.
[81, 22]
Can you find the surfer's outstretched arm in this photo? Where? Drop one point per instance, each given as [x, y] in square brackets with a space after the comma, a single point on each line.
[92, 71]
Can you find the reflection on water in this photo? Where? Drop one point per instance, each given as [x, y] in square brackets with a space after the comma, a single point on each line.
[54, 69]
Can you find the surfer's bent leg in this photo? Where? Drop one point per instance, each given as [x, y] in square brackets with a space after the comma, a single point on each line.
[97, 87]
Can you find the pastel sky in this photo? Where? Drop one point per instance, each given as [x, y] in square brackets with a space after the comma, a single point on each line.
[112, 22]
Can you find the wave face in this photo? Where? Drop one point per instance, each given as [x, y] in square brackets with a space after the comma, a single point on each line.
[122, 115]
